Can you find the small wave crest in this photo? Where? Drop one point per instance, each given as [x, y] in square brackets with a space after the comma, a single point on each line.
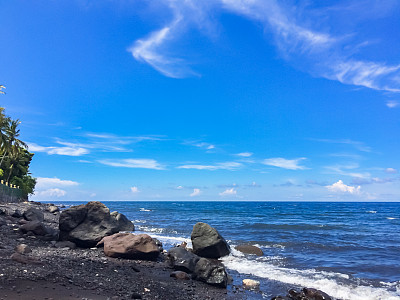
[335, 284]
[144, 209]
[372, 211]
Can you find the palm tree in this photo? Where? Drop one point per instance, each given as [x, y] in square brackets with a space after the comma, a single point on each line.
[12, 145]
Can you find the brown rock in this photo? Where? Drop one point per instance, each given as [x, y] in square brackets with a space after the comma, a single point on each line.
[180, 275]
[128, 245]
[24, 259]
[23, 249]
[249, 249]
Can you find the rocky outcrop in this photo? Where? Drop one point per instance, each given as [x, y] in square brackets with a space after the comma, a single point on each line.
[249, 249]
[86, 225]
[128, 245]
[211, 273]
[207, 242]
[305, 294]
[182, 260]
[40, 230]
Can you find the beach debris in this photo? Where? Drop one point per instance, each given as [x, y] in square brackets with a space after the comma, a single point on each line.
[128, 245]
[207, 242]
[250, 284]
[249, 249]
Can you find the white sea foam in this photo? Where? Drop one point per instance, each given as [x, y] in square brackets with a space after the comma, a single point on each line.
[372, 211]
[144, 209]
[171, 240]
[391, 218]
[148, 229]
[140, 221]
[325, 281]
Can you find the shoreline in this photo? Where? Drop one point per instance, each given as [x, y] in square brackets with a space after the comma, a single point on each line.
[87, 272]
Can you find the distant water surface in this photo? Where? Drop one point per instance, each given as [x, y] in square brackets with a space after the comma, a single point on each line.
[349, 250]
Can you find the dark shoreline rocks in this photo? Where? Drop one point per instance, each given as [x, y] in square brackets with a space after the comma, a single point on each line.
[207, 242]
[86, 224]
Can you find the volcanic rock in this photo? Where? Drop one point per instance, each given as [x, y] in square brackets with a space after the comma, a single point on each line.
[249, 249]
[211, 273]
[182, 260]
[207, 242]
[128, 245]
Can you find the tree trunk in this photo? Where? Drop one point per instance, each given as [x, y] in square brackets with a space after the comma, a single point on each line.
[9, 174]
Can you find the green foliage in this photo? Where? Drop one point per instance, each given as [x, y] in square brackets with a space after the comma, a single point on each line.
[14, 156]
[26, 183]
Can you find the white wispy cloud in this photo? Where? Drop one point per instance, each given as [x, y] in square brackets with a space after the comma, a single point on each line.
[300, 33]
[196, 192]
[391, 170]
[392, 104]
[290, 164]
[356, 144]
[46, 182]
[228, 192]
[52, 193]
[347, 170]
[244, 154]
[67, 151]
[342, 188]
[143, 163]
[219, 166]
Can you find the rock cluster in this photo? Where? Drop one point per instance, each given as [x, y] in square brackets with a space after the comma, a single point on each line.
[87, 224]
[199, 268]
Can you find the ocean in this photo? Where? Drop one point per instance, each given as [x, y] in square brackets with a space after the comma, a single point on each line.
[348, 250]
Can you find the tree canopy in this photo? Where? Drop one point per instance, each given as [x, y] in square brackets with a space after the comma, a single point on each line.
[14, 155]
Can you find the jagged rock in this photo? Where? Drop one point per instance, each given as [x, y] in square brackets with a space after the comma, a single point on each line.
[86, 225]
[182, 260]
[211, 273]
[124, 223]
[128, 245]
[207, 242]
[33, 214]
[249, 249]
[180, 275]
[53, 209]
[16, 214]
[23, 249]
[2, 222]
[250, 284]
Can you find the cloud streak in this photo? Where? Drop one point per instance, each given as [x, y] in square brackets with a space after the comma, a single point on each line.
[290, 164]
[231, 166]
[143, 163]
[297, 35]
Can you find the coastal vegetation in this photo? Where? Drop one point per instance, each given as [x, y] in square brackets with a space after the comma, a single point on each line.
[14, 155]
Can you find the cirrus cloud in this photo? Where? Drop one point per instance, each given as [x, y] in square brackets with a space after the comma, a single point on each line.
[290, 164]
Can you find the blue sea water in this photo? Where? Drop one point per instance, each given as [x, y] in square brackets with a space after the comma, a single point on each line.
[349, 250]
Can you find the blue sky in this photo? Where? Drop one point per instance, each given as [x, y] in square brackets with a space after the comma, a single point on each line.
[206, 100]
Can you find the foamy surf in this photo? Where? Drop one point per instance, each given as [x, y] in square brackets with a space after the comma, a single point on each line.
[329, 282]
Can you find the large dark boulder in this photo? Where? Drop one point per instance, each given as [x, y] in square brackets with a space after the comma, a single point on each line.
[207, 242]
[128, 245]
[182, 260]
[304, 294]
[86, 225]
[211, 273]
